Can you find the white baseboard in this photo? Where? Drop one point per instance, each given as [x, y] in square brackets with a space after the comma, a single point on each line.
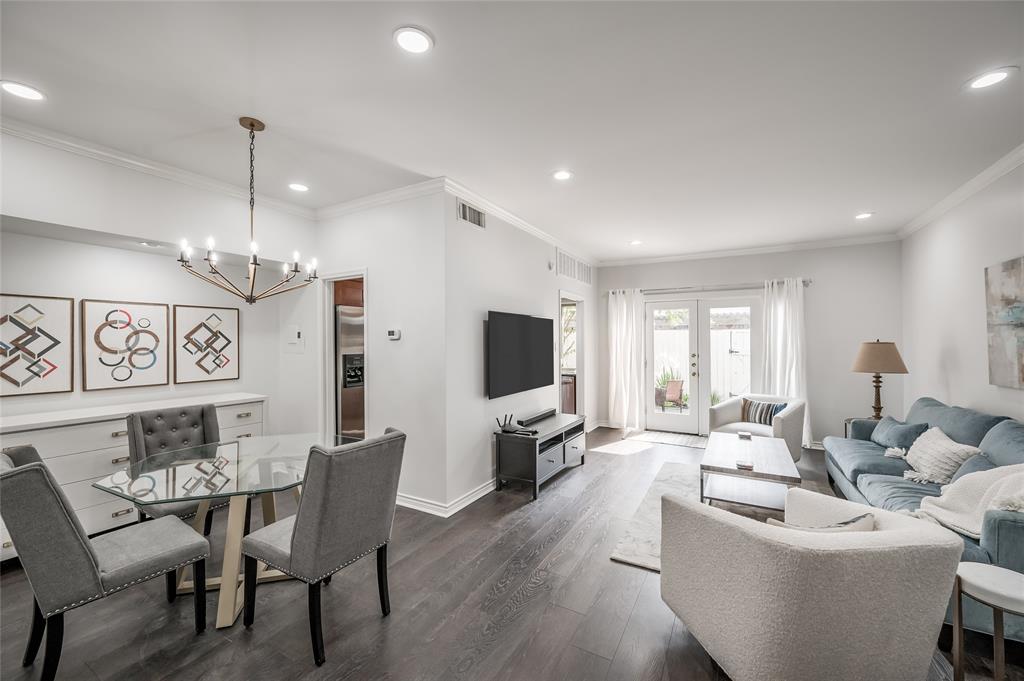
[445, 510]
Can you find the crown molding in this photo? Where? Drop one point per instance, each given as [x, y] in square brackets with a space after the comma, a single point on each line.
[412, 191]
[758, 250]
[968, 189]
[491, 208]
[121, 159]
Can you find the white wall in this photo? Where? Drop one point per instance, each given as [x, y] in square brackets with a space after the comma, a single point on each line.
[51, 267]
[854, 297]
[945, 339]
[401, 248]
[505, 269]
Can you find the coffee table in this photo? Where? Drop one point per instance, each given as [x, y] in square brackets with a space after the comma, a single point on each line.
[763, 487]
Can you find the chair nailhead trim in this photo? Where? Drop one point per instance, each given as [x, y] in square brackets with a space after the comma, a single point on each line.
[107, 592]
[321, 577]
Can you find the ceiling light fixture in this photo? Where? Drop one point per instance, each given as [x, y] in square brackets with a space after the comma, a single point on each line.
[296, 187]
[412, 39]
[150, 244]
[215, 276]
[991, 77]
[21, 90]
[862, 216]
[635, 242]
[562, 175]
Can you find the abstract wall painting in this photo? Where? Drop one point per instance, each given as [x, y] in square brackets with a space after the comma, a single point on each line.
[1004, 306]
[37, 339]
[206, 344]
[124, 345]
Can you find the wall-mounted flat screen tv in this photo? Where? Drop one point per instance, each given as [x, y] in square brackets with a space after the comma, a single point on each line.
[520, 353]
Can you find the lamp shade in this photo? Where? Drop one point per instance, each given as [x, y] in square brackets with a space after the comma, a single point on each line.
[878, 357]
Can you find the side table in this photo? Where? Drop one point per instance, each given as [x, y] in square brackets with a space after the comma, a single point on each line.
[998, 588]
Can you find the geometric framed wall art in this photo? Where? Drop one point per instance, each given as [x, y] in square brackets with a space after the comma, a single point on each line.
[37, 345]
[124, 345]
[206, 344]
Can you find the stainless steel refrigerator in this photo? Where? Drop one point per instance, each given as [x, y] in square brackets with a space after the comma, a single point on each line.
[350, 374]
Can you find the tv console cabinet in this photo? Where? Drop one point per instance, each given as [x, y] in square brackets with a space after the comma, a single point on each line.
[560, 442]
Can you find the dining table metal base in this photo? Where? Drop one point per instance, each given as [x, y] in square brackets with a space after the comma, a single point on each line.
[231, 598]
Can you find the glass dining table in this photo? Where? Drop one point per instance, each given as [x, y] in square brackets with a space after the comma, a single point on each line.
[233, 471]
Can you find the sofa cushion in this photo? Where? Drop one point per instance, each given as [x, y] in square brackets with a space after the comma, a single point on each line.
[978, 462]
[1004, 444]
[974, 552]
[892, 433]
[935, 457]
[752, 428]
[966, 426]
[854, 457]
[895, 493]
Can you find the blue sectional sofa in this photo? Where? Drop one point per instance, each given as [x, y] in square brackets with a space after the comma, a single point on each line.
[859, 469]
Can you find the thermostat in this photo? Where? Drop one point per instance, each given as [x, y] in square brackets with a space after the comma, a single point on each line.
[394, 334]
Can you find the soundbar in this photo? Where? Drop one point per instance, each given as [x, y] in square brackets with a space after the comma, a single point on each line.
[530, 420]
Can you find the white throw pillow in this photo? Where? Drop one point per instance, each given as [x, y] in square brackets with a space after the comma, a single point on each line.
[935, 458]
[861, 523]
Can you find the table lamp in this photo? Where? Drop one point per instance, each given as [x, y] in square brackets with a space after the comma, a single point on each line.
[878, 357]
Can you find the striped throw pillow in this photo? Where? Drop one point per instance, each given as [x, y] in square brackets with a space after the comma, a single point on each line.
[754, 411]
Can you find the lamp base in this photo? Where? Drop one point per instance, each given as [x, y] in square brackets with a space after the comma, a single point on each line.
[877, 406]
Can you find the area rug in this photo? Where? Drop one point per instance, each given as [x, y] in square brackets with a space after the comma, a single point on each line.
[663, 438]
[641, 543]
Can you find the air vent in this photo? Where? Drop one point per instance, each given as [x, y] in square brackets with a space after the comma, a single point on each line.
[574, 268]
[473, 216]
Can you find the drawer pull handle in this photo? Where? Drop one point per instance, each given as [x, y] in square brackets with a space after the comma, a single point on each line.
[120, 459]
[8, 544]
[551, 460]
[245, 435]
[119, 433]
[123, 511]
[243, 414]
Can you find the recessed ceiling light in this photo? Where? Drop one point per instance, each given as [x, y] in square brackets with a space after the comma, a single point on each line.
[635, 242]
[295, 186]
[562, 175]
[412, 39]
[992, 77]
[862, 216]
[21, 90]
[149, 244]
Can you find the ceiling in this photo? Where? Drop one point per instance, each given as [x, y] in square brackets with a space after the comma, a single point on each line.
[691, 127]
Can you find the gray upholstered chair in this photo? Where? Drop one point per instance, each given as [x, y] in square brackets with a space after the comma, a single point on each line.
[151, 433]
[66, 569]
[345, 513]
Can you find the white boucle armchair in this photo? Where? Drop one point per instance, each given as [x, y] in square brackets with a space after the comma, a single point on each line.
[788, 424]
[779, 604]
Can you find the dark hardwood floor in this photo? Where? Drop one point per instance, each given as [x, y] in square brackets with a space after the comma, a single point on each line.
[504, 590]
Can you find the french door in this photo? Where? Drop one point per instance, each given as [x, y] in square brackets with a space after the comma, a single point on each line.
[672, 377]
[699, 353]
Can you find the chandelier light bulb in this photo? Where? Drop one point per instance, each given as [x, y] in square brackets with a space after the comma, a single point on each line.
[284, 267]
[313, 263]
[188, 252]
[184, 244]
[209, 243]
[254, 247]
[213, 257]
[295, 256]
[309, 268]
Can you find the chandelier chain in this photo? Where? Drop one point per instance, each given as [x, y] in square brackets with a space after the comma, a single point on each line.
[252, 181]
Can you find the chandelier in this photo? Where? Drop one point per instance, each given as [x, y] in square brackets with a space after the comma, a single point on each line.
[247, 292]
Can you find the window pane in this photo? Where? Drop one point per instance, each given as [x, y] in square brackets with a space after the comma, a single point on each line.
[730, 352]
[671, 348]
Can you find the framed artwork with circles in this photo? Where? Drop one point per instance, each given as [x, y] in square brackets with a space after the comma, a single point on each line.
[124, 345]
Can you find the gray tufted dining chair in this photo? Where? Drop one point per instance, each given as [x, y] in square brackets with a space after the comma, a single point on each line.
[345, 513]
[66, 569]
[151, 433]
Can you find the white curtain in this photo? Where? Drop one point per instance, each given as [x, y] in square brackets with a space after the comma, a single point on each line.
[626, 359]
[785, 345]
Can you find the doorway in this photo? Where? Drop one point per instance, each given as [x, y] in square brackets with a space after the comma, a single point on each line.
[699, 352]
[570, 353]
[349, 360]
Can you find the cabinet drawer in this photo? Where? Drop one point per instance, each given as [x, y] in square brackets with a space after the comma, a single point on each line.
[82, 494]
[549, 461]
[575, 448]
[239, 415]
[252, 430]
[85, 437]
[88, 465]
[105, 516]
